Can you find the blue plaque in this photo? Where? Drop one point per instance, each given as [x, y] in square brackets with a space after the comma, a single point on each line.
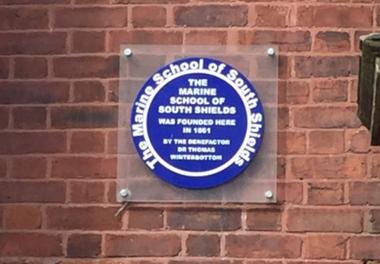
[197, 123]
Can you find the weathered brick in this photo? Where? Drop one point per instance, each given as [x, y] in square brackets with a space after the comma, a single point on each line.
[24, 244]
[90, 17]
[332, 41]
[205, 37]
[358, 141]
[87, 142]
[31, 68]
[264, 219]
[32, 191]
[323, 193]
[85, 218]
[289, 192]
[325, 66]
[84, 117]
[283, 117]
[4, 68]
[22, 217]
[25, 92]
[30, 142]
[86, 66]
[86, 192]
[14, 43]
[334, 16]
[325, 117]
[373, 225]
[203, 245]
[3, 168]
[375, 166]
[88, 41]
[291, 142]
[23, 18]
[325, 247]
[33, 2]
[293, 92]
[326, 142]
[365, 247]
[149, 16]
[146, 245]
[270, 16]
[4, 117]
[84, 167]
[121, 37]
[362, 193]
[145, 218]
[204, 219]
[211, 15]
[29, 117]
[89, 91]
[84, 245]
[330, 91]
[263, 246]
[287, 40]
[324, 220]
[28, 167]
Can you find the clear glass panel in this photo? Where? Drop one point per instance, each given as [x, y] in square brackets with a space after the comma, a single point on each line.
[258, 181]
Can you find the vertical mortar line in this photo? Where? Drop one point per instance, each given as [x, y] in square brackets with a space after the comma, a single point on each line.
[69, 42]
[244, 219]
[11, 73]
[165, 219]
[106, 192]
[170, 22]
[346, 192]
[129, 17]
[222, 244]
[68, 192]
[251, 15]
[305, 192]
[65, 238]
[51, 18]
[69, 135]
[184, 237]
[10, 117]
[351, 34]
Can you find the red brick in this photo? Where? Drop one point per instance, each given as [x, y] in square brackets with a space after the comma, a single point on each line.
[289, 192]
[22, 217]
[14, 43]
[91, 17]
[377, 16]
[30, 142]
[84, 117]
[271, 16]
[32, 191]
[365, 247]
[363, 193]
[324, 220]
[326, 142]
[323, 193]
[123, 145]
[4, 68]
[203, 245]
[330, 91]
[204, 219]
[211, 15]
[23, 18]
[325, 247]
[4, 118]
[131, 245]
[85, 218]
[151, 1]
[332, 41]
[86, 66]
[25, 92]
[375, 166]
[283, 118]
[89, 91]
[28, 167]
[357, 36]
[84, 167]
[88, 41]
[325, 66]
[333, 167]
[291, 142]
[334, 16]
[284, 66]
[84, 245]
[119, 37]
[3, 168]
[148, 16]
[87, 142]
[30, 68]
[287, 40]
[29, 117]
[205, 37]
[86, 192]
[263, 246]
[264, 219]
[145, 218]
[358, 141]
[213, 260]
[373, 225]
[33, 2]
[24, 244]
[325, 117]
[293, 92]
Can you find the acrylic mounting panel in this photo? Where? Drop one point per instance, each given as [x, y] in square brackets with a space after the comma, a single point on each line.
[190, 126]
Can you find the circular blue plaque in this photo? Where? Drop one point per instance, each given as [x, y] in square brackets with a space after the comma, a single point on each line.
[197, 123]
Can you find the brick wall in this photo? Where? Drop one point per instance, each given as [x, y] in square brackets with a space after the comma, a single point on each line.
[58, 88]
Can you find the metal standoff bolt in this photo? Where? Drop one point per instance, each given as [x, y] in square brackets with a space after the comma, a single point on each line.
[268, 194]
[127, 52]
[124, 193]
[270, 51]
